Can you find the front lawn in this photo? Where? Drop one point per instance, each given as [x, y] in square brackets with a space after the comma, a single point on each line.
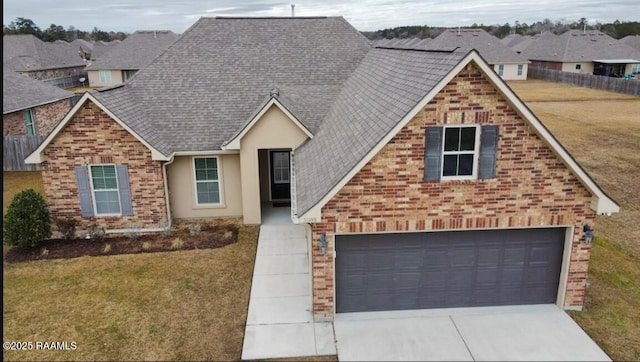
[180, 305]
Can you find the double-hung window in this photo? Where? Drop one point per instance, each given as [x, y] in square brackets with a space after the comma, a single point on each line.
[460, 147]
[520, 69]
[460, 152]
[104, 186]
[501, 70]
[207, 180]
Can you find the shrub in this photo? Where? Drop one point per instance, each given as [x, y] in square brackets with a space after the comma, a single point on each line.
[194, 229]
[27, 222]
[96, 232]
[67, 227]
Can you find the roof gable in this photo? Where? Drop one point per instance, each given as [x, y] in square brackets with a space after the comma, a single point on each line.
[234, 143]
[36, 156]
[319, 189]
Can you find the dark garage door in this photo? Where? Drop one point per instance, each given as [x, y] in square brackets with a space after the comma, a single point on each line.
[377, 272]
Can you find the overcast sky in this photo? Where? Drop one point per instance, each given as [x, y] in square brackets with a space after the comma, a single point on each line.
[365, 15]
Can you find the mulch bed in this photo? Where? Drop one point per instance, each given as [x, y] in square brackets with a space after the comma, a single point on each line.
[180, 238]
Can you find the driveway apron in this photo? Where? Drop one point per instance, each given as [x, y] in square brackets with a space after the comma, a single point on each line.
[513, 333]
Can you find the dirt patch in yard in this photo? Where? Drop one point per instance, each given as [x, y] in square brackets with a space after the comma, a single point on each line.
[181, 237]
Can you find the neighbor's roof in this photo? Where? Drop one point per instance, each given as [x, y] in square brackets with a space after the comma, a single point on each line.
[380, 93]
[100, 48]
[632, 41]
[416, 43]
[579, 46]
[28, 53]
[136, 51]
[490, 47]
[20, 92]
[206, 86]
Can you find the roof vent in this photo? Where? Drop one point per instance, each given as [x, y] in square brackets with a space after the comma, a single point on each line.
[275, 92]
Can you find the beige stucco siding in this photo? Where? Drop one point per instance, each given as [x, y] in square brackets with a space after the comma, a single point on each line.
[585, 67]
[510, 71]
[274, 130]
[94, 78]
[182, 192]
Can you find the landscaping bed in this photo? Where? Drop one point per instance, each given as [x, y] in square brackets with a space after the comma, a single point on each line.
[182, 236]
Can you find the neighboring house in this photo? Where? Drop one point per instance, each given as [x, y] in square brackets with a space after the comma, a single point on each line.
[506, 62]
[578, 51]
[424, 181]
[122, 61]
[31, 107]
[56, 63]
[100, 48]
[30, 110]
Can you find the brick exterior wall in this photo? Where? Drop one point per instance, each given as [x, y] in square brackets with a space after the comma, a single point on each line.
[92, 137]
[46, 118]
[532, 188]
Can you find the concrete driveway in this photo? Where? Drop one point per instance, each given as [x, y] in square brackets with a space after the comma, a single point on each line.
[513, 333]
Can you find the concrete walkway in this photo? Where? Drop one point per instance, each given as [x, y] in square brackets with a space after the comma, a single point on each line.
[280, 320]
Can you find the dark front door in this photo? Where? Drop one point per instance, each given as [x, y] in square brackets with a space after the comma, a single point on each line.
[280, 175]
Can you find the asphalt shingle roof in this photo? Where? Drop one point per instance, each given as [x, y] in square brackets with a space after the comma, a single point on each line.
[632, 41]
[136, 51]
[28, 53]
[209, 83]
[20, 92]
[383, 89]
[489, 47]
[579, 46]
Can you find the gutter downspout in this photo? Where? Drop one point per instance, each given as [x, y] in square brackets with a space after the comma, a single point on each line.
[166, 191]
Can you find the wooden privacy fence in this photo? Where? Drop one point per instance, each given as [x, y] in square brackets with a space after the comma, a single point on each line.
[611, 84]
[16, 148]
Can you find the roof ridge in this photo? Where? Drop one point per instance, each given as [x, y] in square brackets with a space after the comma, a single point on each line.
[448, 51]
[272, 17]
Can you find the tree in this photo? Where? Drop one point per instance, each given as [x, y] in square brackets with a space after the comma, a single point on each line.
[99, 35]
[24, 26]
[53, 33]
[27, 221]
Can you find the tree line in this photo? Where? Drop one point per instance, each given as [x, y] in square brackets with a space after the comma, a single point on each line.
[616, 30]
[58, 32]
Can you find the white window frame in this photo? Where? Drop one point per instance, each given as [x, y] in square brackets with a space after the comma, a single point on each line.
[218, 181]
[476, 153]
[93, 190]
[501, 69]
[105, 76]
[520, 69]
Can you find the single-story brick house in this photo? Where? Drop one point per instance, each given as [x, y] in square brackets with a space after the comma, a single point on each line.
[424, 181]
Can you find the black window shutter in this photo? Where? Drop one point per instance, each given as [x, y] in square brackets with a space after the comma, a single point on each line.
[433, 154]
[125, 191]
[84, 191]
[488, 152]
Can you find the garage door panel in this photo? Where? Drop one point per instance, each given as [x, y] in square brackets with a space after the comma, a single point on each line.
[447, 269]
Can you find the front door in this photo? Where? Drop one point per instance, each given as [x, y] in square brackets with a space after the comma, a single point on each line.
[280, 175]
